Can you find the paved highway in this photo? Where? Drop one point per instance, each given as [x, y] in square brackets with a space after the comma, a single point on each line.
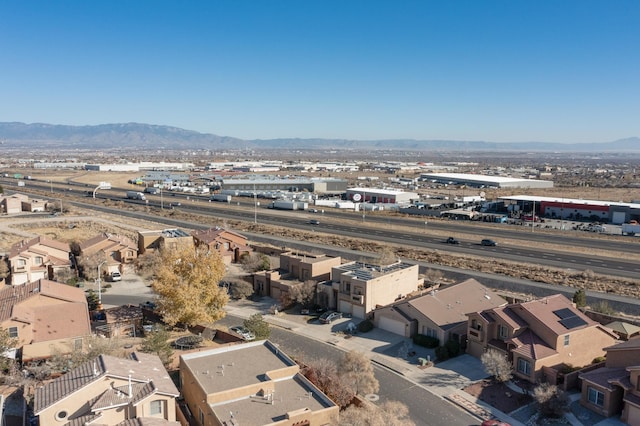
[513, 243]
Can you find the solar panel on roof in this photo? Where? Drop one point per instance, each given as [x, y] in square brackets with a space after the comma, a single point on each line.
[572, 322]
[564, 313]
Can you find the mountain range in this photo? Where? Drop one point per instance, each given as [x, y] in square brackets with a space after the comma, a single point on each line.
[157, 137]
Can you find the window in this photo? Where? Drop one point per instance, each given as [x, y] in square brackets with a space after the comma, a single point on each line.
[13, 332]
[595, 396]
[524, 366]
[21, 263]
[77, 345]
[38, 260]
[347, 287]
[567, 338]
[201, 415]
[503, 332]
[156, 407]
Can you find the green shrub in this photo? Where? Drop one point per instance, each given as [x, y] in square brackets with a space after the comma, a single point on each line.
[598, 360]
[365, 326]
[453, 348]
[442, 353]
[426, 341]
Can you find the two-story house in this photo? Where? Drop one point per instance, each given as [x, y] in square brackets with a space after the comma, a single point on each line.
[38, 258]
[110, 391]
[615, 388]
[440, 313]
[231, 245]
[118, 250]
[295, 269]
[539, 337]
[166, 238]
[45, 317]
[357, 288]
[251, 384]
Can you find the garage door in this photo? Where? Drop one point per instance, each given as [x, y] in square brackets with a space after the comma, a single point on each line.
[344, 307]
[392, 325]
[358, 312]
[634, 415]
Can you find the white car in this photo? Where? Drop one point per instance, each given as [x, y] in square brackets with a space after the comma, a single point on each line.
[115, 276]
[243, 332]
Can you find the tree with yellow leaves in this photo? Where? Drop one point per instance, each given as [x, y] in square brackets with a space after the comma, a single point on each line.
[187, 284]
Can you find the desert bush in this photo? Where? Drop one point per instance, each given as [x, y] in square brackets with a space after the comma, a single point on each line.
[426, 341]
[453, 348]
[580, 298]
[598, 360]
[603, 307]
[551, 401]
[365, 326]
[240, 289]
[442, 353]
[497, 365]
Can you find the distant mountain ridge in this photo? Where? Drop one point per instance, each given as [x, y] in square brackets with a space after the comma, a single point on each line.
[159, 137]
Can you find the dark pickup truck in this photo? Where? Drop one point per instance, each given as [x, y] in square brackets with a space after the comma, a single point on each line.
[452, 240]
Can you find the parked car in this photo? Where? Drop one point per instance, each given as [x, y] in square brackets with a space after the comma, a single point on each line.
[488, 242]
[313, 210]
[115, 276]
[452, 240]
[329, 316]
[243, 332]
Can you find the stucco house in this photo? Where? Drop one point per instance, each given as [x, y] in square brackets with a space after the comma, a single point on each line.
[357, 288]
[615, 388]
[440, 313]
[231, 245]
[45, 317]
[295, 269]
[110, 391]
[169, 238]
[38, 258]
[118, 250]
[540, 337]
[251, 384]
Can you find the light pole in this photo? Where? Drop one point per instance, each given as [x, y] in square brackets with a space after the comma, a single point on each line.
[161, 202]
[100, 283]
[255, 204]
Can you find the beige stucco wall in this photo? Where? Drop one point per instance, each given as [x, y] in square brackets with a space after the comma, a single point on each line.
[77, 404]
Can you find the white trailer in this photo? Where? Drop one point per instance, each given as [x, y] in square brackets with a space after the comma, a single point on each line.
[221, 197]
[136, 195]
[630, 229]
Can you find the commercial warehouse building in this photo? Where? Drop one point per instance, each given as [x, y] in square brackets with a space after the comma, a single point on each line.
[484, 181]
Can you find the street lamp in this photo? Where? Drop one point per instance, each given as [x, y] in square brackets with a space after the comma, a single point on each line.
[100, 283]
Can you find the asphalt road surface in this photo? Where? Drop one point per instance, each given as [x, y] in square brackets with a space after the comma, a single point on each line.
[424, 407]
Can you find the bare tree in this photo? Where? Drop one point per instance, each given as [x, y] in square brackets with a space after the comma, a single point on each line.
[497, 365]
[304, 293]
[357, 371]
[552, 401]
[387, 255]
[389, 413]
[324, 374]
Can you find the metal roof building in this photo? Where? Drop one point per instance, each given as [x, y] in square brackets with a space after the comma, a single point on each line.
[482, 181]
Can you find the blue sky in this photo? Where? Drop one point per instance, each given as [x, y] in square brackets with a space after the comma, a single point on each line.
[558, 71]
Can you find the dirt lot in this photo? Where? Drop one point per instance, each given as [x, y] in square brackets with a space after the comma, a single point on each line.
[498, 395]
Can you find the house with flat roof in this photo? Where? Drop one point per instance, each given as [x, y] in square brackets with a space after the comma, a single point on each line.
[38, 258]
[108, 390]
[615, 388]
[251, 384]
[440, 313]
[540, 337]
[295, 268]
[357, 288]
[170, 238]
[45, 317]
